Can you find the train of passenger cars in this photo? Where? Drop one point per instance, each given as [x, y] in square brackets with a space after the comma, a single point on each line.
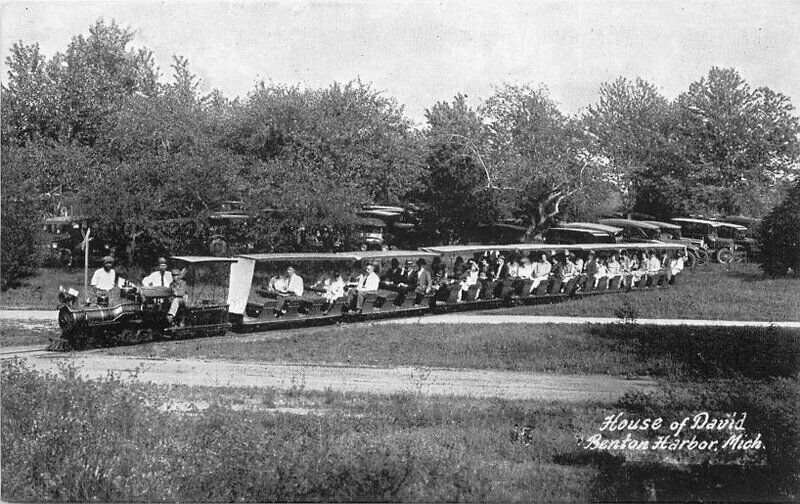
[232, 294]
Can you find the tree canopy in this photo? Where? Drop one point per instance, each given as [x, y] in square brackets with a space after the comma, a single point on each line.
[150, 158]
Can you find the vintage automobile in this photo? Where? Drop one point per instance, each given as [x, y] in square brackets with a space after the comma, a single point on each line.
[616, 232]
[65, 241]
[671, 233]
[569, 236]
[713, 235]
[635, 231]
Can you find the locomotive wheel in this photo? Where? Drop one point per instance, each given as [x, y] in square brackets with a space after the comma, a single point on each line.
[702, 256]
[144, 335]
[59, 345]
[126, 337]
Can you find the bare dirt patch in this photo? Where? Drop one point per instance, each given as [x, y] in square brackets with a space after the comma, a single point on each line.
[383, 381]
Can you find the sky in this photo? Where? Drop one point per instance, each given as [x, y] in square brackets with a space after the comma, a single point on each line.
[422, 52]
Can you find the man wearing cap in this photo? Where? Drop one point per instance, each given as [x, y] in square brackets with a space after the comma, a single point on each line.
[159, 278]
[104, 279]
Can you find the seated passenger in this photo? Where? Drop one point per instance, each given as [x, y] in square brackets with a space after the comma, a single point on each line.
[591, 266]
[366, 283]
[642, 263]
[653, 264]
[470, 278]
[525, 270]
[390, 278]
[541, 271]
[293, 289]
[579, 264]
[614, 267]
[406, 279]
[179, 296]
[500, 269]
[676, 267]
[458, 267]
[570, 269]
[601, 271]
[160, 277]
[513, 268]
[484, 270]
[424, 284]
[277, 284]
[334, 289]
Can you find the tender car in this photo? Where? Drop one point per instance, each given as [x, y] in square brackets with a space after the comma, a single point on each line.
[706, 234]
[571, 236]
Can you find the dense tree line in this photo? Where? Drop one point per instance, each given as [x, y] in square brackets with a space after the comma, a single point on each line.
[149, 161]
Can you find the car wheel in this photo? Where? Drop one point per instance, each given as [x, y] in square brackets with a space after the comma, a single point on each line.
[691, 260]
[724, 256]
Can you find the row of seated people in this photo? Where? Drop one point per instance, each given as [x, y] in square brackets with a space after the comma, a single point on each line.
[332, 286]
[419, 280]
[630, 269]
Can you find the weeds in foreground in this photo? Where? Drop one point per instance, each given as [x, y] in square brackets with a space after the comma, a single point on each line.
[67, 439]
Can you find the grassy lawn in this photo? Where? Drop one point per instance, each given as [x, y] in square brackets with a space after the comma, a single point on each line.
[73, 440]
[618, 350]
[40, 292]
[27, 333]
[709, 292]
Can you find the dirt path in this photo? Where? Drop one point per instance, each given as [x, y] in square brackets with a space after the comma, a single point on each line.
[384, 381]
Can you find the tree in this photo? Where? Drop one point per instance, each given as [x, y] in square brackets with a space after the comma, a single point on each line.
[629, 126]
[457, 198]
[69, 97]
[320, 155]
[780, 237]
[163, 170]
[539, 157]
[20, 242]
[736, 141]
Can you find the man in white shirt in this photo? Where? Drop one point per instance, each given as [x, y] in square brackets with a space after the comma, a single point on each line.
[104, 280]
[676, 267]
[294, 289]
[160, 277]
[366, 283]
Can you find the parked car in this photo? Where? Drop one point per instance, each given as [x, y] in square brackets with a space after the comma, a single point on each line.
[635, 231]
[572, 236]
[706, 233]
[65, 241]
[671, 233]
[616, 232]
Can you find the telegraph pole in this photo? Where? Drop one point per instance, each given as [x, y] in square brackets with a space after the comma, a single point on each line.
[85, 246]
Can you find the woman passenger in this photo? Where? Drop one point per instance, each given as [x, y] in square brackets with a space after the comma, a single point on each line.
[470, 278]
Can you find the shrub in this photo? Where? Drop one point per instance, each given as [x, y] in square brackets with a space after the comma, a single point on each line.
[780, 237]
